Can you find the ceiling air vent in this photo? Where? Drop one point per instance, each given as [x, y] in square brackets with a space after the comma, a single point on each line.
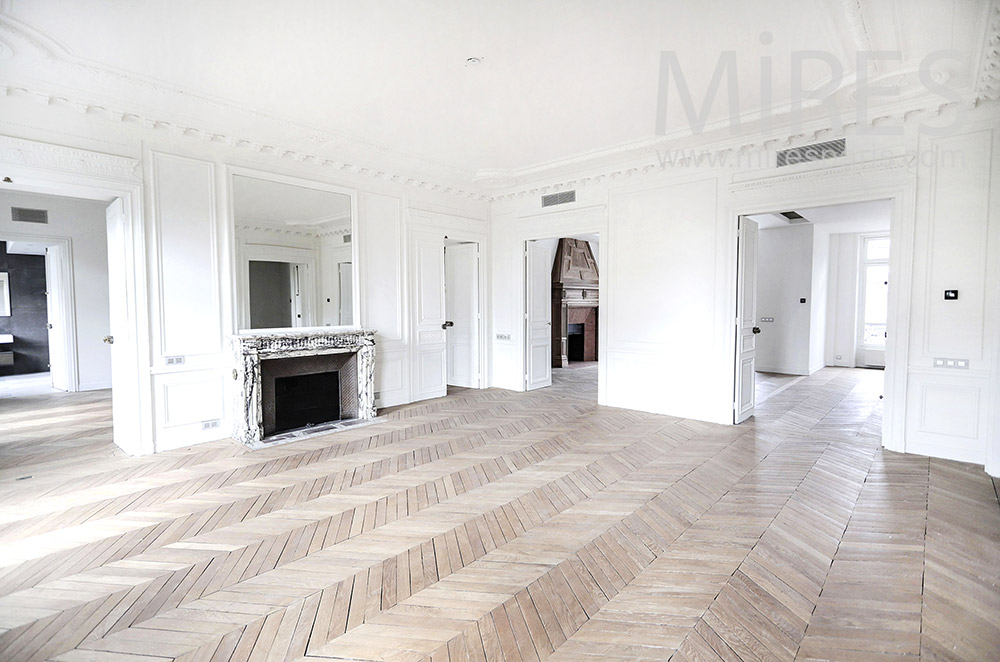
[558, 198]
[794, 218]
[818, 152]
[22, 215]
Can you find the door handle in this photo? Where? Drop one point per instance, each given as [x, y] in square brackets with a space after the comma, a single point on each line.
[109, 340]
[756, 329]
[447, 325]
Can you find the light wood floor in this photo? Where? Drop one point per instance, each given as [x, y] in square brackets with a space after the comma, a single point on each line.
[492, 525]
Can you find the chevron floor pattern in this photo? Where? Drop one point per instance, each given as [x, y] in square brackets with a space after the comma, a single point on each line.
[494, 526]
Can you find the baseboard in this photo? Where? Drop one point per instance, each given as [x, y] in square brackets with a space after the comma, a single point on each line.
[94, 386]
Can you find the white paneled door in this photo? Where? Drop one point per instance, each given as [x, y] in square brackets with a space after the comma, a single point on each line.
[461, 264]
[538, 317]
[430, 346]
[124, 394]
[746, 320]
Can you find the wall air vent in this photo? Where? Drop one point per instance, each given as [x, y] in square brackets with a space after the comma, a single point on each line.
[347, 238]
[818, 152]
[794, 218]
[21, 215]
[558, 198]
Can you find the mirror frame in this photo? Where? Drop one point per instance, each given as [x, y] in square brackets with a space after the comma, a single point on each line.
[240, 260]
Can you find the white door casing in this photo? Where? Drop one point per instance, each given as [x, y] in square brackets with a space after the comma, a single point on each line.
[462, 308]
[538, 318]
[746, 320]
[429, 374]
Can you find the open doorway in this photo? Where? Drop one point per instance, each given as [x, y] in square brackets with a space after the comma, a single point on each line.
[562, 305]
[54, 250]
[812, 294]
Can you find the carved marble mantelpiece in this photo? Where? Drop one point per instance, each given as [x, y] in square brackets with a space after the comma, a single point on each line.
[251, 347]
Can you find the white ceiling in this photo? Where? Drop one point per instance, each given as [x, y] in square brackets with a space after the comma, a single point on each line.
[269, 202]
[870, 216]
[388, 79]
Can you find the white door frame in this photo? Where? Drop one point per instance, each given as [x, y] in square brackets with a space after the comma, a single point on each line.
[65, 300]
[889, 179]
[57, 170]
[567, 223]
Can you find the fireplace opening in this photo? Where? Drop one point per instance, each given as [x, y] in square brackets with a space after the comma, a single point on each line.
[301, 391]
[303, 400]
[574, 334]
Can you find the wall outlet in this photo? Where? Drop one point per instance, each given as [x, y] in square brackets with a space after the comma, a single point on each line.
[958, 364]
[175, 360]
[208, 425]
[503, 336]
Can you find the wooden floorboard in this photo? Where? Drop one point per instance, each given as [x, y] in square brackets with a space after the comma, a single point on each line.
[498, 526]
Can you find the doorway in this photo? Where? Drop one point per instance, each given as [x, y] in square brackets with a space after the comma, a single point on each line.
[38, 341]
[812, 294]
[562, 311]
[107, 333]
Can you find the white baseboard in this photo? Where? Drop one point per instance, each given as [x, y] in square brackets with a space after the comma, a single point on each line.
[94, 386]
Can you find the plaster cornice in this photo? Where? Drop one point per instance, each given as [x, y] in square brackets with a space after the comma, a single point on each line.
[67, 159]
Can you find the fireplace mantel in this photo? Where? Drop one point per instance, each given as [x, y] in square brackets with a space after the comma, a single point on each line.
[252, 347]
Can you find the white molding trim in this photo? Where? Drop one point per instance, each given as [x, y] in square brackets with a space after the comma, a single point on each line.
[49, 157]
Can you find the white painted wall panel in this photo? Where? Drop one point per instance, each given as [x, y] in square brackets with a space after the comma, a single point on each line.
[183, 402]
[187, 278]
[382, 265]
[958, 245]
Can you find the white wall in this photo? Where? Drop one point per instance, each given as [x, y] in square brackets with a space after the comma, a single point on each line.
[84, 223]
[820, 278]
[842, 304]
[784, 276]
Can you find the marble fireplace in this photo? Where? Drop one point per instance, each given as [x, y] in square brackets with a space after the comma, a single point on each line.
[291, 383]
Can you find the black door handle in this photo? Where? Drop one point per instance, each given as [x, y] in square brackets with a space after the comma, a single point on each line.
[756, 329]
[447, 324]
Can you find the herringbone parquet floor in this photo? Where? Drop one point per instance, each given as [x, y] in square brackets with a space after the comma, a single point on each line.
[491, 526]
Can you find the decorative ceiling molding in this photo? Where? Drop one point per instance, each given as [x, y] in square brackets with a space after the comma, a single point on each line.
[722, 154]
[52, 50]
[899, 167]
[67, 159]
[273, 229]
[988, 82]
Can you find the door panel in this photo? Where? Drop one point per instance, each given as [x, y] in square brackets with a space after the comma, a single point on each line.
[462, 305]
[538, 327]
[430, 355]
[124, 395]
[746, 324]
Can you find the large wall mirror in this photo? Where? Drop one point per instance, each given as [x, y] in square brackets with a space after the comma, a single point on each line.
[295, 254]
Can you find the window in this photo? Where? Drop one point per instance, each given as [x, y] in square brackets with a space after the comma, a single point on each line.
[875, 292]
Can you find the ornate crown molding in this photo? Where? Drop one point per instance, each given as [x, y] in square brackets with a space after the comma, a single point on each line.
[899, 166]
[724, 153]
[50, 49]
[17, 151]
[988, 81]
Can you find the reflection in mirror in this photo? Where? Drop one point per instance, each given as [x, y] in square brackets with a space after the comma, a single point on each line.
[295, 255]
